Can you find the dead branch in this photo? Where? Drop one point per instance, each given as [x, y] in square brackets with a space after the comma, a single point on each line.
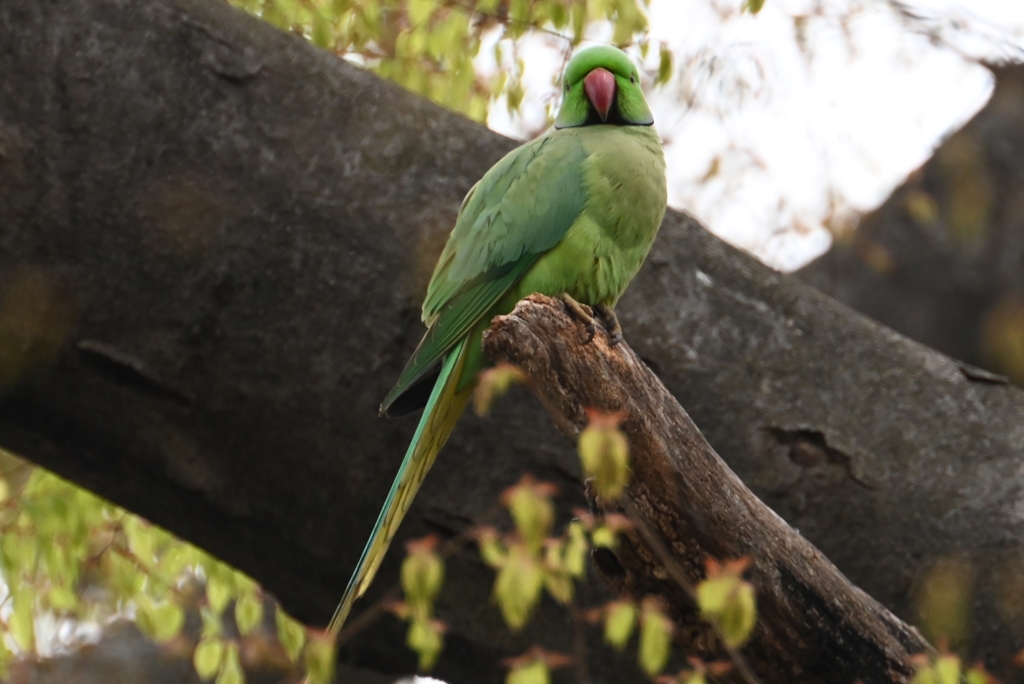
[814, 625]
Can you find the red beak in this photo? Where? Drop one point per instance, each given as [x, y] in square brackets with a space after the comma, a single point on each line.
[600, 88]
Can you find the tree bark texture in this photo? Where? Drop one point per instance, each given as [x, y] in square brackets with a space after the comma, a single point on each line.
[213, 243]
[942, 260]
[813, 625]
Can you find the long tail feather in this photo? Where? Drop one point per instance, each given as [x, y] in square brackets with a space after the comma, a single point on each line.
[442, 411]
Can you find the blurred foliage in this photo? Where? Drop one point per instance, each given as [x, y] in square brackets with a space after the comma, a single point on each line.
[620, 619]
[942, 597]
[969, 196]
[422, 576]
[492, 383]
[655, 636]
[604, 453]
[71, 561]
[727, 600]
[534, 666]
[947, 669]
[529, 560]
[429, 46]
[1002, 337]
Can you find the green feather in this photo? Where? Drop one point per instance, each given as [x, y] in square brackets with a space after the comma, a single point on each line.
[439, 416]
[520, 209]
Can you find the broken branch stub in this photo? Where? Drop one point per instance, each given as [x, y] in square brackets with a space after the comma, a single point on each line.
[813, 624]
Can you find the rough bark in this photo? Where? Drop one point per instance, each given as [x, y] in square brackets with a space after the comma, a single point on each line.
[942, 260]
[213, 243]
[813, 625]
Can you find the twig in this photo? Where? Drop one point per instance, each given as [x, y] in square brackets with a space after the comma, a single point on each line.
[505, 19]
[579, 644]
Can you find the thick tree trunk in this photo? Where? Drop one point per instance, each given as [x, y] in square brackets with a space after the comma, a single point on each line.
[213, 242]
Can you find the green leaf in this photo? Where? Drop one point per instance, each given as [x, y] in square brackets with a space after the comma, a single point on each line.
[655, 640]
[207, 657]
[19, 548]
[5, 659]
[231, 667]
[664, 65]
[514, 94]
[604, 453]
[212, 626]
[556, 579]
[603, 536]
[619, 622]
[740, 616]
[161, 621]
[535, 672]
[519, 12]
[290, 633]
[248, 613]
[753, 6]
[140, 539]
[321, 34]
[243, 583]
[172, 562]
[530, 504]
[218, 593]
[576, 549]
[978, 675]
[320, 659]
[559, 16]
[518, 585]
[62, 599]
[123, 576]
[420, 10]
[494, 382]
[944, 669]
[947, 667]
[422, 574]
[579, 22]
[492, 551]
[21, 623]
[426, 637]
[725, 599]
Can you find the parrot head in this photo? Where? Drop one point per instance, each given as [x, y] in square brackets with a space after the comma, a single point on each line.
[601, 85]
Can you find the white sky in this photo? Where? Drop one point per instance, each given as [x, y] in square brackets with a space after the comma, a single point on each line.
[767, 140]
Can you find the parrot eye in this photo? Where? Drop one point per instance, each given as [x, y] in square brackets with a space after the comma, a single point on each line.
[632, 79]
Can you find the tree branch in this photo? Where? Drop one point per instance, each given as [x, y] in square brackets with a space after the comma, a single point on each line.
[214, 239]
[813, 624]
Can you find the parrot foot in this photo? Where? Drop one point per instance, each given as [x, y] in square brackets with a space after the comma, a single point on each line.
[610, 321]
[582, 313]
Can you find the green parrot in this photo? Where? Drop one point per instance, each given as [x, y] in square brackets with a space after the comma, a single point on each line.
[571, 214]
